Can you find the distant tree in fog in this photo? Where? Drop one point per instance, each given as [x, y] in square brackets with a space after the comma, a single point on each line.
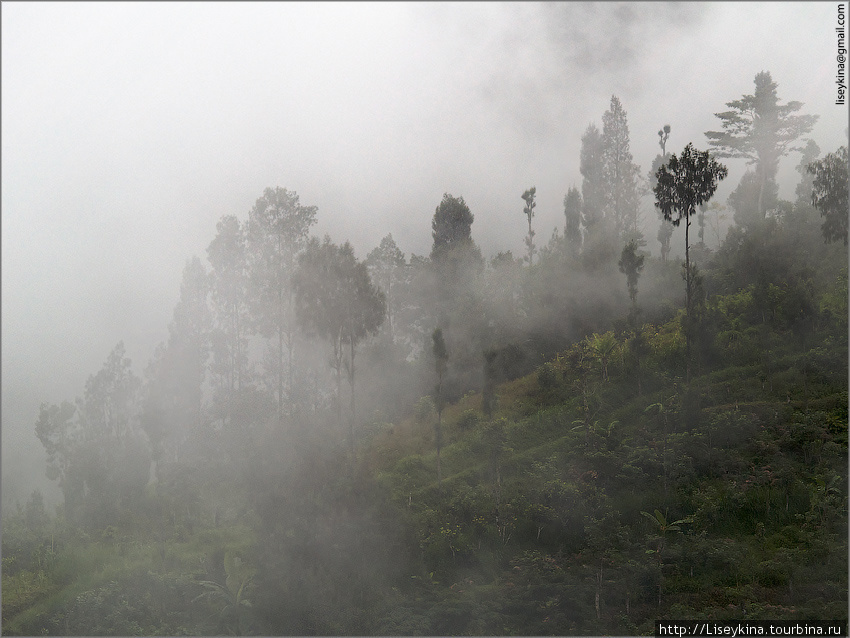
[683, 183]
[592, 171]
[572, 213]
[189, 334]
[96, 452]
[229, 294]
[388, 267]
[336, 300]
[451, 226]
[619, 173]
[760, 130]
[528, 210]
[172, 395]
[277, 230]
[663, 136]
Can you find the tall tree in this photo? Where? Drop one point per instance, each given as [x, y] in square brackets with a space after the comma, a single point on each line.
[455, 258]
[58, 432]
[441, 358]
[665, 229]
[229, 294]
[592, 171]
[278, 228]
[530, 204]
[760, 130]
[388, 267]
[620, 173]
[748, 196]
[829, 194]
[683, 184]
[336, 299]
[572, 213]
[189, 334]
[663, 136]
[451, 226]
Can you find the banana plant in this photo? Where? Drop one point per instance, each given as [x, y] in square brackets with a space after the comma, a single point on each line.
[663, 526]
[232, 594]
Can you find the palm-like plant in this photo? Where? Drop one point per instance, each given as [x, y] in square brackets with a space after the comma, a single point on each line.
[232, 594]
[663, 526]
[603, 347]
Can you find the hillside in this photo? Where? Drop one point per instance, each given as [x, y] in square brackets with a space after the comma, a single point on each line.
[604, 492]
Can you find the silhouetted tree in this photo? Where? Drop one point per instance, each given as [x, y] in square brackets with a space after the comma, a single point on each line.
[665, 229]
[684, 183]
[760, 130]
[663, 136]
[451, 226]
[829, 194]
[528, 196]
[631, 265]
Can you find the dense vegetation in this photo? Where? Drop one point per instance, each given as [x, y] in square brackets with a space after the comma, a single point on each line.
[577, 442]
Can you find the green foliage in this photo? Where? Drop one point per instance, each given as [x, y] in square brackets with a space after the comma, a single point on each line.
[829, 194]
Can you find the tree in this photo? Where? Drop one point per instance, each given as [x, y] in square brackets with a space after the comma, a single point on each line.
[662, 526]
[665, 230]
[631, 265]
[189, 335]
[572, 212]
[663, 136]
[388, 267]
[441, 358]
[451, 226]
[229, 294]
[59, 434]
[619, 172]
[335, 299]
[277, 230]
[748, 196]
[760, 130]
[829, 194]
[682, 185]
[95, 450]
[528, 196]
[592, 171]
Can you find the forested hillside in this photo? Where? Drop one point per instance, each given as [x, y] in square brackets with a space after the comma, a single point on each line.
[607, 430]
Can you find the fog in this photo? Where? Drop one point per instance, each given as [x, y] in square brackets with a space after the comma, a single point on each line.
[130, 129]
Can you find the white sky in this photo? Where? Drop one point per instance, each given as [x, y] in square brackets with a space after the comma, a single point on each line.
[129, 129]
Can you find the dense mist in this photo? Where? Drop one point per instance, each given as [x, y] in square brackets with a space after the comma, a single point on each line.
[361, 306]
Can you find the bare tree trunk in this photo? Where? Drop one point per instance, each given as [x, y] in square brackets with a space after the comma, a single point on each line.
[688, 302]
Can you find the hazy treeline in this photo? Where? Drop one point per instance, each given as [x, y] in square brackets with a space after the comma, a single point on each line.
[287, 355]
